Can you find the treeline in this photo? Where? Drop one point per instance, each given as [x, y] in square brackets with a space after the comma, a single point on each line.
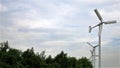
[14, 58]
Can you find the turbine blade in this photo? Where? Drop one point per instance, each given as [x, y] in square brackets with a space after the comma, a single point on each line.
[98, 15]
[110, 22]
[97, 25]
[90, 44]
[96, 46]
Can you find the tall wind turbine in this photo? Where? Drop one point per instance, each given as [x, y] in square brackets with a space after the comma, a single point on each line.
[99, 32]
[93, 53]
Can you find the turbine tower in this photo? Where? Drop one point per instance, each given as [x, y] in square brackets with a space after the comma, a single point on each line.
[99, 32]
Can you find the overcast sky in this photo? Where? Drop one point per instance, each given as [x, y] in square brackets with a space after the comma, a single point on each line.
[61, 25]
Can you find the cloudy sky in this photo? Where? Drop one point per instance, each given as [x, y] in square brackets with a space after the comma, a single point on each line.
[61, 25]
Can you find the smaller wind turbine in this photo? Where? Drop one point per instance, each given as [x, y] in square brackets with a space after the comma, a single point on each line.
[93, 54]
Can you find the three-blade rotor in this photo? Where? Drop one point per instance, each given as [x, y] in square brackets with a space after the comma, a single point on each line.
[101, 21]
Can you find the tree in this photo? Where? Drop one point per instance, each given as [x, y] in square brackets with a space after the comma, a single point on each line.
[14, 58]
[32, 60]
[4, 46]
[62, 60]
[72, 62]
[29, 59]
[9, 57]
[84, 63]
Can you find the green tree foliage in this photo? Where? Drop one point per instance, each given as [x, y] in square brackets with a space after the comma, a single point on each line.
[84, 63]
[9, 57]
[4, 46]
[14, 58]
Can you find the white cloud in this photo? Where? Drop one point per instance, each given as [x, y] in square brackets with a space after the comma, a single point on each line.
[3, 8]
[51, 16]
[112, 14]
[34, 23]
[93, 1]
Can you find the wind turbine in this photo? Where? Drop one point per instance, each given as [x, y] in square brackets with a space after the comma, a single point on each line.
[100, 30]
[93, 53]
